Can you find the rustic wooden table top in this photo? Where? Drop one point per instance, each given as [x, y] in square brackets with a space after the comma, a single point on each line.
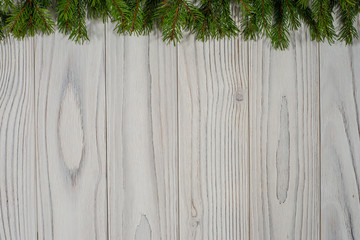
[130, 138]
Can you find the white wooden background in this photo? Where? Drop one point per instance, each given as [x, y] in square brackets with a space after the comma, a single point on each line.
[130, 138]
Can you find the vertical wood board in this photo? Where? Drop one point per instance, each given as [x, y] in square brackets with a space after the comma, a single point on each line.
[17, 145]
[213, 139]
[71, 136]
[142, 137]
[340, 141]
[284, 140]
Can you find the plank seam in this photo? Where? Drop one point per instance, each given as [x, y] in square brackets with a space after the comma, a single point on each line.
[35, 138]
[106, 139]
[248, 138]
[319, 137]
[178, 141]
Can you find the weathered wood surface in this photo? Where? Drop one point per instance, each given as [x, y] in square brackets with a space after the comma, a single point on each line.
[213, 140]
[284, 141]
[130, 138]
[17, 145]
[71, 137]
[340, 141]
[142, 141]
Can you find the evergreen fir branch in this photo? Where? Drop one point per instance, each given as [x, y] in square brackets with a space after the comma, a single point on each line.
[293, 17]
[79, 33]
[303, 3]
[6, 5]
[264, 10]
[229, 27]
[215, 21]
[347, 17]
[15, 21]
[245, 6]
[136, 8]
[322, 10]
[175, 17]
[150, 15]
[280, 32]
[188, 8]
[305, 15]
[28, 19]
[209, 26]
[66, 15]
[43, 19]
[72, 19]
[98, 9]
[251, 22]
[192, 15]
[45, 3]
[171, 23]
[345, 3]
[119, 13]
[3, 17]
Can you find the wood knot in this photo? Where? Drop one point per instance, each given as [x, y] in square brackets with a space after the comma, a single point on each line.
[195, 223]
[70, 130]
[239, 96]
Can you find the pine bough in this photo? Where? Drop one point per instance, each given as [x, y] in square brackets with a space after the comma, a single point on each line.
[206, 19]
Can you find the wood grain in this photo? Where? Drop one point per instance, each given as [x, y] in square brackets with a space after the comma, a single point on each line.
[17, 146]
[71, 136]
[340, 141]
[142, 137]
[213, 140]
[284, 141]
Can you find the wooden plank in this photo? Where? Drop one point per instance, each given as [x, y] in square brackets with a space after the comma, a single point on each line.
[213, 140]
[142, 137]
[71, 136]
[17, 145]
[340, 142]
[284, 140]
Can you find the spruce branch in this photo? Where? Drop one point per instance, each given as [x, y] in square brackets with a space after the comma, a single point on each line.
[177, 16]
[324, 19]
[251, 23]
[119, 13]
[280, 32]
[29, 18]
[305, 14]
[245, 6]
[6, 5]
[136, 8]
[229, 27]
[347, 17]
[293, 16]
[264, 10]
[3, 17]
[209, 25]
[98, 9]
[72, 19]
[150, 18]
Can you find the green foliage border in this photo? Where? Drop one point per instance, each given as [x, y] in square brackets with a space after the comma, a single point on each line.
[206, 19]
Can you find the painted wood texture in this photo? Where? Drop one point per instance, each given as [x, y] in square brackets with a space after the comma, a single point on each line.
[142, 141]
[71, 136]
[284, 141]
[213, 140]
[130, 138]
[17, 145]
[340, 141]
